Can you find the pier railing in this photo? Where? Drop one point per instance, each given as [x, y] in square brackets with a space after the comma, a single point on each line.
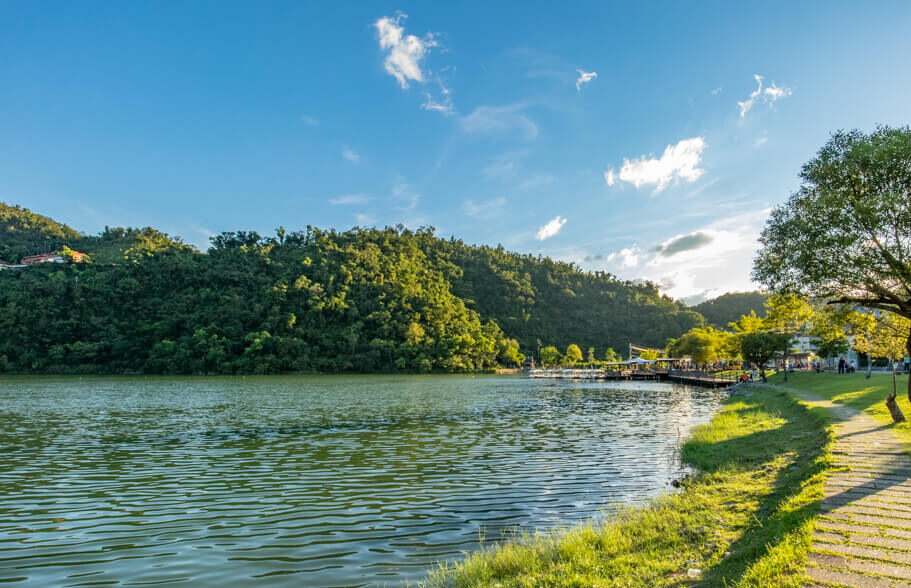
[714, 378]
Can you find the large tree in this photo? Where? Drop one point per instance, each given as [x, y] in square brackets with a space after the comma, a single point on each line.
[845, 235]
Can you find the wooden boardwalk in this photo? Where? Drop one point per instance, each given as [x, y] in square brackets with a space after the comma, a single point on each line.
[863, 535]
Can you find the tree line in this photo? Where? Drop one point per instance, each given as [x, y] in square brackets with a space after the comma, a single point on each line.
[364, 300]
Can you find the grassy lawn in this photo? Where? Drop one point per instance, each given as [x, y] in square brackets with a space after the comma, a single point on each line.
[856, 391]
[744, 520]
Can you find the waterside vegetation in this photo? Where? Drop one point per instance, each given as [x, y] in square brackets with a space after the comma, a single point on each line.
[744, 520]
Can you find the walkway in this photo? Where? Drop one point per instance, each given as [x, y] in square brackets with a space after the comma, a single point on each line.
[863, 536]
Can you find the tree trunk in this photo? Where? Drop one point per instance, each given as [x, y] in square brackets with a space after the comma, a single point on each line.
[762, 374]
[894, 410]
[870, 365]
[785, 365]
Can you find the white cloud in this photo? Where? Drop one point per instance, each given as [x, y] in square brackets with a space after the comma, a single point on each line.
[770, 95]
[773, 92]
[584, 78]
[760, 141]
[550, 229]
[445, 106]
[499, 119]
[483, 209]
[687, 265]
[347, 199]
[627, 258]
[717, 91]
[350, 155]
[747, 104]
[310, 120]
[405, 52]
[678, 162]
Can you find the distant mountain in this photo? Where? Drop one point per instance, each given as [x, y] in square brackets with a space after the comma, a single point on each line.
[728, 308]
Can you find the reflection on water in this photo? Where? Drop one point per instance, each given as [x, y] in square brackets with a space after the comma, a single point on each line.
[312, 481]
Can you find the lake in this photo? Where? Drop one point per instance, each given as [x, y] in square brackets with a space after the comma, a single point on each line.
[313, 481]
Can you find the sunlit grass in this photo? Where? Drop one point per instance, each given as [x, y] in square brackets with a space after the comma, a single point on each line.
[858, 392]
[744, 521]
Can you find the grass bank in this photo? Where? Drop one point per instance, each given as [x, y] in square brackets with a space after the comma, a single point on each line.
[856, 391]
[745, 520]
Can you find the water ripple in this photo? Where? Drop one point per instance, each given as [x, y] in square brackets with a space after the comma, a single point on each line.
[319, 481]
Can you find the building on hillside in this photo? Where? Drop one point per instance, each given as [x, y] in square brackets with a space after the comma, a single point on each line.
[77, 257]
[42, 258]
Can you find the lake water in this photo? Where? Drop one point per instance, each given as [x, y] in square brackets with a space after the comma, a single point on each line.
[313, 481]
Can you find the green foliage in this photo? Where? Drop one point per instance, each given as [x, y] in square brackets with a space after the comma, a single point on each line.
[317, 300]
[23, 232]
[536, 298]
[727, 308]
[704, 345]
[550, 356]
[120, 245]
[760, 347]
[745, 521]
[610, 355]
[650, 354]
[573, 354]
[748, 323]
[844, 234]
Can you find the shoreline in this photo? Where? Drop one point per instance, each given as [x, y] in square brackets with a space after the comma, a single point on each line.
[744, 518]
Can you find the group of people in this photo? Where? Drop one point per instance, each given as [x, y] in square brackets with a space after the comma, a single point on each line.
[845, 366]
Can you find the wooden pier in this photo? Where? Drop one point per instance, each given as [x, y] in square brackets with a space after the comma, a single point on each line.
[688, 377]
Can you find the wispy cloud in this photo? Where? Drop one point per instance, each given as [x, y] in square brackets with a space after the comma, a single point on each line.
[404, 57]
[584, 78]
[406, 196]
[505, 164]
[350, 155]
[549, 230]
[348, 199]
[499, 119]
[717, 91]
[310, 120]
[770, 95]
[404, 52]
[678, 162]
[484, 209]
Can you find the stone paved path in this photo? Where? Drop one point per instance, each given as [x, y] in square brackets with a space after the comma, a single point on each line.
[863, 536]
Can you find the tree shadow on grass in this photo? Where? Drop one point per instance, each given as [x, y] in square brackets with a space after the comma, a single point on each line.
[804, 439]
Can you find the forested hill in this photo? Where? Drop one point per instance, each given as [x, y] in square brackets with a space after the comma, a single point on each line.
[362, 300]
[728, 308]
[23, 232]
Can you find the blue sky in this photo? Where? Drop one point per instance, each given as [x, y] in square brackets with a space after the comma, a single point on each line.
[481, 119]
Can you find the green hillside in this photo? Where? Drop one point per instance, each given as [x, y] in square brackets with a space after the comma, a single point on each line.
[315, 300]
[23, 232]
[728, 308]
